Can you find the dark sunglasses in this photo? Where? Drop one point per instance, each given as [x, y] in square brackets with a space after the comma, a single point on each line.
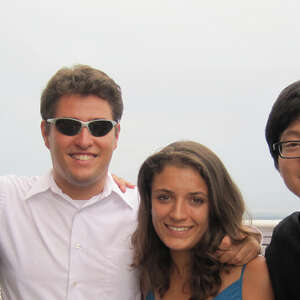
[71, 127]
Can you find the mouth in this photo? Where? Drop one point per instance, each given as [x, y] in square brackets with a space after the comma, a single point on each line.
[179, 228]
[83, 157]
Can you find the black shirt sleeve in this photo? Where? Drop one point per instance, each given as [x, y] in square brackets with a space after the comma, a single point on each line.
[283, 258]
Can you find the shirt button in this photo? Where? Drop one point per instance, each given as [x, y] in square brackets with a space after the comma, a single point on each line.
[74, 283]
[77, 246]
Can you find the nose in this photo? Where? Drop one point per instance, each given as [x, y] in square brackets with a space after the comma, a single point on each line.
[178, 211]
[84, 139]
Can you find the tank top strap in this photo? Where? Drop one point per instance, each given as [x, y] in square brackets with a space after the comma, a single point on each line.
[150, 296]
[242, 272]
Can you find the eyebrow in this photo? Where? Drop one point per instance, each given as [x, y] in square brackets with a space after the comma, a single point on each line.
[171, 192]
[162, 190]
[201, 193]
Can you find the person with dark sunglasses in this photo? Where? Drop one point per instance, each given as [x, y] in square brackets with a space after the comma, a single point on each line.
[66, 235]
[283, 138]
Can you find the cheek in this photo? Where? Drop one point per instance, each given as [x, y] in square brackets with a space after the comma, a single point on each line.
[154, 215]
[290, 173]
[108, 144]
[286, 170]
[57, 147]
[155, 222]
[201, 217]
[58, 141]
[158, 214]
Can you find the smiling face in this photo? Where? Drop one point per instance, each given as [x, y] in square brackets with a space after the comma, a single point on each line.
[180, 207]
[80, 162]
[290, 168]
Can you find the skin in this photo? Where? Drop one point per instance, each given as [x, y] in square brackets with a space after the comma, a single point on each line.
[256, 281]
[290, 168]
[236, 254]
[180, 207]
[80, 162]
[180, 216]
[122, 183]
[242, 253]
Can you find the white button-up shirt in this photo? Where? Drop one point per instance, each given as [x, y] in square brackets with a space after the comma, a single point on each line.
[56, 248]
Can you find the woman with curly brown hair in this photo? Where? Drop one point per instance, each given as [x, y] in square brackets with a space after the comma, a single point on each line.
[188, 203]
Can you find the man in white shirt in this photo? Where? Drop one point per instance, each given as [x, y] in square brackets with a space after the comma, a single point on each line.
[66, 235]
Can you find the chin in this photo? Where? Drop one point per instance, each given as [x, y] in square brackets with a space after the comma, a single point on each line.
[294, 189]
[81, 181]
[179, 247]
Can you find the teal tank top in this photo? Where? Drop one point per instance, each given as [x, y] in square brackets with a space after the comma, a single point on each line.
[232, 292]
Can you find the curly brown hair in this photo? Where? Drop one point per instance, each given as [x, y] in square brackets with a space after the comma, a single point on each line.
[226, 208]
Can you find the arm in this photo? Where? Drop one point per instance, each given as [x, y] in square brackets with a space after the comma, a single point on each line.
[256, 282]
[242, 253]
[283, 258]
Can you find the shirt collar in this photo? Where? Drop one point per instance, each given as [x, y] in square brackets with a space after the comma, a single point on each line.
[129, 197]
[46, 182]
[40, 186]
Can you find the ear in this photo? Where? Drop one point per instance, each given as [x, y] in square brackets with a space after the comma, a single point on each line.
[117, 134]
[45, 133]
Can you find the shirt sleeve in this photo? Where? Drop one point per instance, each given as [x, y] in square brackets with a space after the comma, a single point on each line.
[3, 193]
[283, 258]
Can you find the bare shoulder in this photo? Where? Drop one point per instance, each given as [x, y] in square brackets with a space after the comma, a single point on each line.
[256, 264]
[256, 281]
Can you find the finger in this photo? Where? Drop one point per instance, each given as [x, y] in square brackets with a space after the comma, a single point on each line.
[120, 182]
[238, 254]
[252, 229]
[239, 258]
[232, 253]
[249, 250]
[129, 184]
[223, 254]
[122, 186]
[226, 243]
[230, 257]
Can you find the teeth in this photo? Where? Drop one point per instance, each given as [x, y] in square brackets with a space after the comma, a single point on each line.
[178, 228]
[82, 157]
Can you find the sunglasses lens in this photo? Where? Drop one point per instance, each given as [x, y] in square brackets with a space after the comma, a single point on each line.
[68, 127]
[100, 128]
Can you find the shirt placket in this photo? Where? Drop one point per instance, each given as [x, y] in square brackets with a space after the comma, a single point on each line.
[75, 263]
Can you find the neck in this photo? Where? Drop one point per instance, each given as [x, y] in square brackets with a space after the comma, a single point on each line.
[179, 278]
[181, 261]
[80, 192]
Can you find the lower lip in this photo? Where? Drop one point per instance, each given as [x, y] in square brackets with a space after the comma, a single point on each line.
[82, 162]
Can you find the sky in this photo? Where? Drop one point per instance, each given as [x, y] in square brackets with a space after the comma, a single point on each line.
[207, 71]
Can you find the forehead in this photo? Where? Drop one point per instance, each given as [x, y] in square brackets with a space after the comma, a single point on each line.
[292, 131]
[179, 177]
[83, 107]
